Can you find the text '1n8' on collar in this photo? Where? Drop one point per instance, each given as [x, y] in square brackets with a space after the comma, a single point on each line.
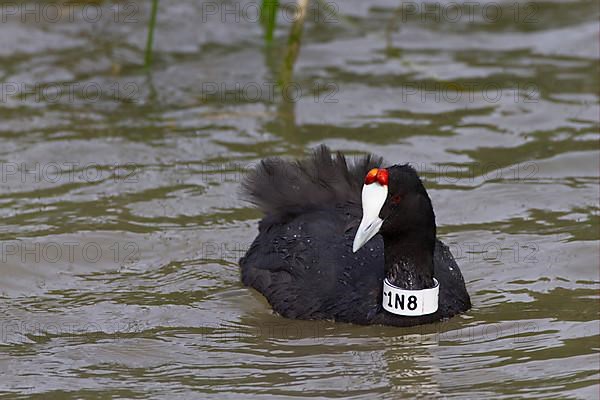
[410, 303]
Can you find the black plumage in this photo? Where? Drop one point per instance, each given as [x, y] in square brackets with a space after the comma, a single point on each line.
[302, 259]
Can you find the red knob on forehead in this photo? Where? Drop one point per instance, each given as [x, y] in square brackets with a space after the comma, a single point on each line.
[382, 176]
[379, 175]
[371, 176]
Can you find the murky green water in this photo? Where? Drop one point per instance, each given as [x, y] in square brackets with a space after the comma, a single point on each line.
[121, 225]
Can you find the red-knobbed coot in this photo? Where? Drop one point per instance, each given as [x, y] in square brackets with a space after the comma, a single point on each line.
[353, 243]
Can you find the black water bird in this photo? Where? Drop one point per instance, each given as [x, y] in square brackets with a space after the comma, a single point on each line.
[324, 251]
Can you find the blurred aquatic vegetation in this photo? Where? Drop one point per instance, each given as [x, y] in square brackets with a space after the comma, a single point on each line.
[294, 41]
[293, 45]
[150, 37]
[268, 20]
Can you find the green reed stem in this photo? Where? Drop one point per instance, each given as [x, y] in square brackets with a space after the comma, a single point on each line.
[150, 39]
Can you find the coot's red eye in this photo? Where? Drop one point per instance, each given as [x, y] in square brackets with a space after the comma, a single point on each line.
[382, 177]
[371, 176]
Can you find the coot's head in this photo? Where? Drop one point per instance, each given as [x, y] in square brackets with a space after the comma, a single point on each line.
[395, 204]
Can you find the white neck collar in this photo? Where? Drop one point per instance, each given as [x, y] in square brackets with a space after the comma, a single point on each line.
[411, 303]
